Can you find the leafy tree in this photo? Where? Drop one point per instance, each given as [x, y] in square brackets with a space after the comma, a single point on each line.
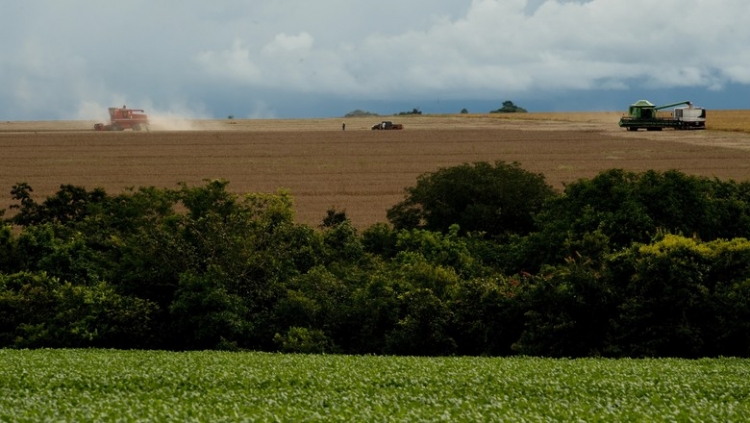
[342, 244]
[207, 313]
[728, 321]
[360, 113]
[414, 111]
[375, 311]
[464, 111]
[37, 310]
[27, 208]
[689, 204]
[664, 299]
[496, 200]
[447, 250]
[593, 271]
[236, 250]
[70, 203]
[69, 258]
[333, 218]
[302, 340]
[569, 308]
[380, 239]
[487, 315]
[509, 107]
[423, 327]
[318, 301]
[681, 297]
[9, 262]
[628, 207]
[417, 272]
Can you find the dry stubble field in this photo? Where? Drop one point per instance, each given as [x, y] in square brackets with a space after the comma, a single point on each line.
[360, 171]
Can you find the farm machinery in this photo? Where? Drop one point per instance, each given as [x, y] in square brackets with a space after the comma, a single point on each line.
[644, 114]
[123, 118]
[387, 125]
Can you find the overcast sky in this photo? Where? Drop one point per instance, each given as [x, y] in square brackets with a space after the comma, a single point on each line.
[72, 59]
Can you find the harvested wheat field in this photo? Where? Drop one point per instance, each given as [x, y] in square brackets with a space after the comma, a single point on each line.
[360, 171]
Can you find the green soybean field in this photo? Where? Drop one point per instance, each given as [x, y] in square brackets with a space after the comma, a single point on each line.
[109, 385]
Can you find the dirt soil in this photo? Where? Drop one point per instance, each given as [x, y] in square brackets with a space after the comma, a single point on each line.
[360, 171]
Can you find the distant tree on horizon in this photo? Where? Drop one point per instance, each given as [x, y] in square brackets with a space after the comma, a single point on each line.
[509, 107]
[414, 111]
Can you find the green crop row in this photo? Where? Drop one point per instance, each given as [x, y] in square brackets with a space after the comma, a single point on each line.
[109, 385]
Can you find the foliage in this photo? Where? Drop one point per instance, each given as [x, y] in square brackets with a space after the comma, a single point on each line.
[447, 250]
[497, 200]
[303, 340]
[681, 297]
[422, 328]
[333, 218]
[380, 239]
[414, 111]
[487, 316]
[509, 107]
[568, 309]
[38, 310]
[480, 260]
[207, 313]
[464, 111]
[9, 261]
[70, 203]
[627, 207]
[101, 385]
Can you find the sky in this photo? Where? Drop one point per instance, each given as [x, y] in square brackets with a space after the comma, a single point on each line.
[305, 59]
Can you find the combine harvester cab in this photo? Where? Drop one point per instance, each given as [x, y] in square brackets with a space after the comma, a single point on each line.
[123, 118]
[644, 115]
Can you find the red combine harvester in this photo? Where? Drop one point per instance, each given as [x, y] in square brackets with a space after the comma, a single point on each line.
[122, 119]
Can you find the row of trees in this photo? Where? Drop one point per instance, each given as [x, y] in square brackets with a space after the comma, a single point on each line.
[478, 259]
[507, 107]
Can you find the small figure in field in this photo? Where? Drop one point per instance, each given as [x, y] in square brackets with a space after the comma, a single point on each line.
[343, 126]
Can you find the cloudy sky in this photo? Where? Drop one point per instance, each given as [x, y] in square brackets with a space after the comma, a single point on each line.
[300, 58]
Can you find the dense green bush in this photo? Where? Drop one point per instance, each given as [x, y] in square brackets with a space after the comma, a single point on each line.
[497, 200]
[683, 298]
[38, 310]
[480, 260]
[627, 207]
[9, 260]
[509, 107]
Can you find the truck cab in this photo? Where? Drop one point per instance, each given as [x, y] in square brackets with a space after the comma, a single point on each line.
[387, 124]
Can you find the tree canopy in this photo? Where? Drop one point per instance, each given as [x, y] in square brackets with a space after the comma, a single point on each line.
[509, 107]
[481, 259]
[499, 199]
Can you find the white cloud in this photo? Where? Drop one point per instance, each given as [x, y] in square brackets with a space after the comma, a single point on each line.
[234, 63]
[284, 43]
[561, 45]
[737, 73]
[186, 52]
